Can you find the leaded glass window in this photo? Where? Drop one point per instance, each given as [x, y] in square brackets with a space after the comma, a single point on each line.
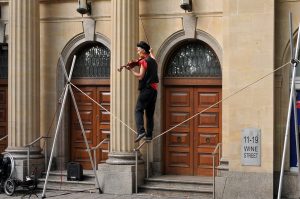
[3, 62]
[93, 62]
[195, 59]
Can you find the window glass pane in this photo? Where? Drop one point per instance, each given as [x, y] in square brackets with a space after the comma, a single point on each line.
[3, 61]
[93, 62]
[195, 59]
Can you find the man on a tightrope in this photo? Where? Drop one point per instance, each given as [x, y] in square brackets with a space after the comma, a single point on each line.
[148, 83]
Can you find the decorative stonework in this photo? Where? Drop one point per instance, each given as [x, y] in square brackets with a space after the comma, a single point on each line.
[89, 25]
[189, 25]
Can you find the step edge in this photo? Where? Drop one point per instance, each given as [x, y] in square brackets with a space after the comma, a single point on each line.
[203, 190]
[65, 174]
[67, 189]
[67, 182]
[208, 182]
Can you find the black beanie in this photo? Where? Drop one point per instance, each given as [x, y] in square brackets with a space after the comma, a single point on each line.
[144, 46]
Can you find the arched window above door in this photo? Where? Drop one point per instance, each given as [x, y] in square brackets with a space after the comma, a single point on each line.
[93, 61]
[193, 59]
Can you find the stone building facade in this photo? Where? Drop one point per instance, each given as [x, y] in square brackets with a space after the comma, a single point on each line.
[204, 56]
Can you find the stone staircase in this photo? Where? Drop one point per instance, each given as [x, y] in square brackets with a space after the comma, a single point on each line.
[184, 186]
[58, 181]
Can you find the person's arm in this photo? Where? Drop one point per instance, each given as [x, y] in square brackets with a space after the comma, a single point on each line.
[140, 74]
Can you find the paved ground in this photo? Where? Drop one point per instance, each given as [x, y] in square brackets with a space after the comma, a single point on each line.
[79, 195]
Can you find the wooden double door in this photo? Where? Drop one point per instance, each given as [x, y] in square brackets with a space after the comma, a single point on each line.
[188, 147]
[3, 116]
[96, 122]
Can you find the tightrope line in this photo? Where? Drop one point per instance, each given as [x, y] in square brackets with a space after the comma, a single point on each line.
[193, 116]
[222, 100]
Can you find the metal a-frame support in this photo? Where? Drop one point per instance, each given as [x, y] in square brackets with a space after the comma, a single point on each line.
[292, 101]
[67, 89]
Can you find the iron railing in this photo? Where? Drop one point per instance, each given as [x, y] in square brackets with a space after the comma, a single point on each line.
[96, 147]
[136, 162]
[28, 151]
[3, 138]
[219, 145]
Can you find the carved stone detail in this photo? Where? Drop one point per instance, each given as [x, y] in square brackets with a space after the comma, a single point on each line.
[89, 25]
[189, 25]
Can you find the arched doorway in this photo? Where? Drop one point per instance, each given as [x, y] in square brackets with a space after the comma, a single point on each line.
[192, 82]
[3, 95]
[91, 75]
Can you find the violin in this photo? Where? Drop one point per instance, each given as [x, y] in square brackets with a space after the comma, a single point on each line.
[130, 65]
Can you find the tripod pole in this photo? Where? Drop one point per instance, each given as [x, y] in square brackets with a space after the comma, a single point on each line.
[287, 129]
[85, 139]
[55, 137]
[59, 117]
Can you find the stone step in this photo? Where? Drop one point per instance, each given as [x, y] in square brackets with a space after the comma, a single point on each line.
[179, 180]
[182, 185]
[184, 193]
[57, 180]
[67, 185]
[179, 184]
[64, 178]
[170, 188]
[86, 173]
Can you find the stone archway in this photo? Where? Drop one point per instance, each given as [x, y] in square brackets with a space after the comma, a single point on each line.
[189, 32]
[192, 83]
[63, 143]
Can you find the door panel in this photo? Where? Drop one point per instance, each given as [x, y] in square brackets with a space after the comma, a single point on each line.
[179, 154]
[3, 117]
[86, 109]
[103, 123]
[207, 128]
[95, 122]
[188, 147]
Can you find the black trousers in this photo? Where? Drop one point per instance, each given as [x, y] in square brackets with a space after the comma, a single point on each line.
[145, 103]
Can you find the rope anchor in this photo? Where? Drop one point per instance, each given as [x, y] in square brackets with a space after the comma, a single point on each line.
[295, 61]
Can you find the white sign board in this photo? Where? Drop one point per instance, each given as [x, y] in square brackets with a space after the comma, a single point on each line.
[250, 147]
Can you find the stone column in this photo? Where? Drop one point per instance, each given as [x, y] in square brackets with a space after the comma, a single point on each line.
[123, 84]
[118, 175]
[23, 79]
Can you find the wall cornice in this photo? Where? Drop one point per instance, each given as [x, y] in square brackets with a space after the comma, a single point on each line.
[177, 15]
[72, 19]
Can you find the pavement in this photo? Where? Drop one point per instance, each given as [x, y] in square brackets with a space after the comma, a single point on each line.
[54, 194]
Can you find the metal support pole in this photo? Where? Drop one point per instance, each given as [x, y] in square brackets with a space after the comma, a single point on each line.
[55, 137]
[65, 93]
[214, 189]
[220, 151]
[95, 158]
[147, 159]
[28, 163]
[294, 96]
[136, 171]
[85, 139]
[45, 153]
[288, 118]
[296, 126]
